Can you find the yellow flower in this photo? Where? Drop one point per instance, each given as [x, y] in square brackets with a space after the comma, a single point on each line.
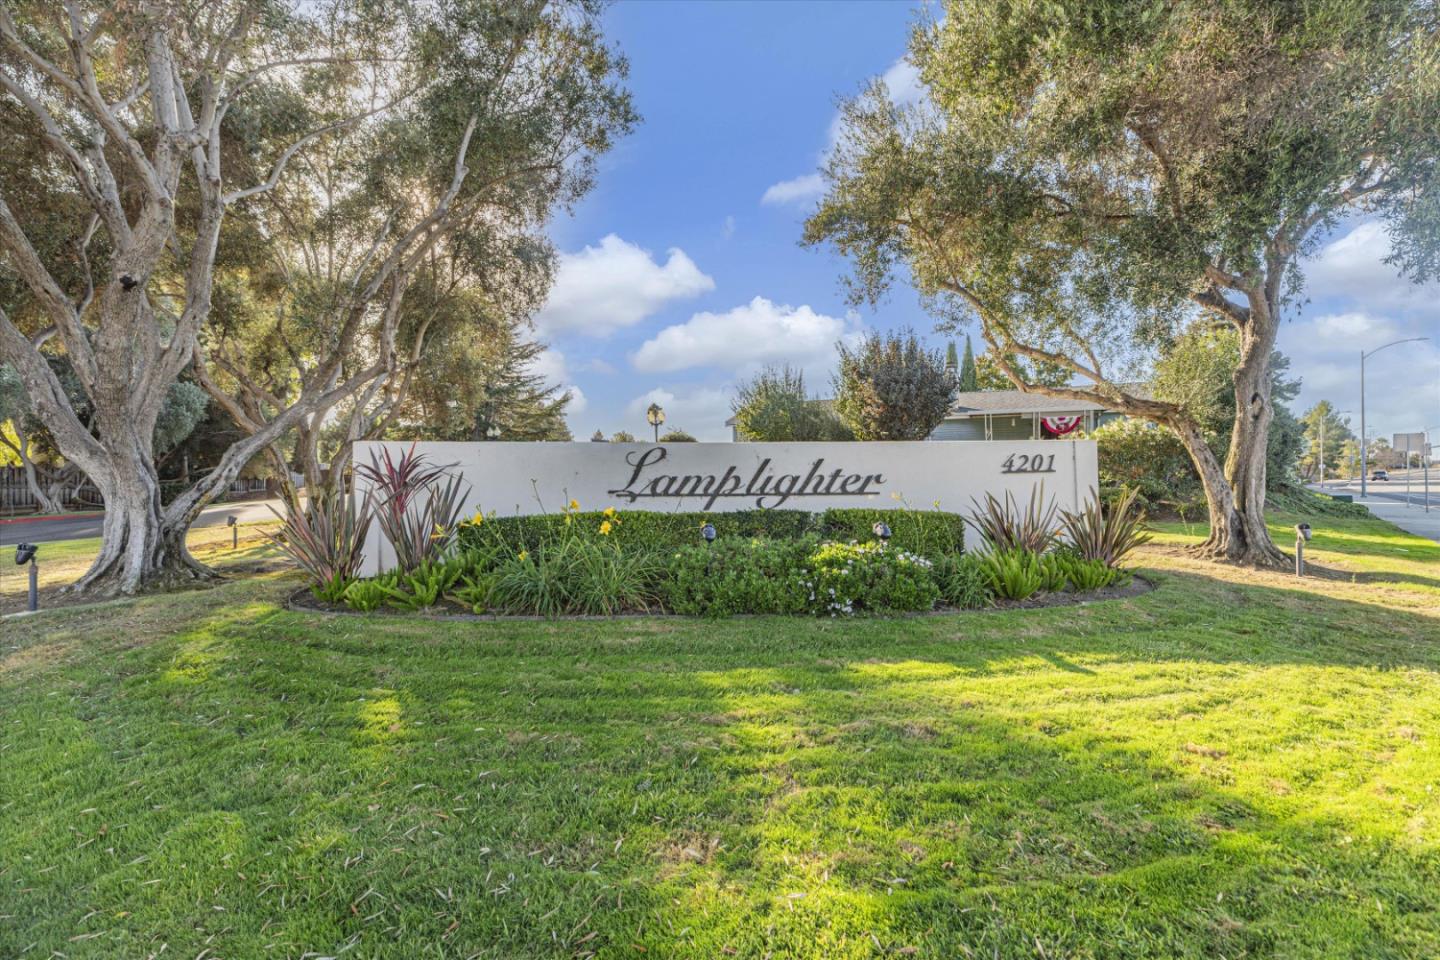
[610, 512]
[895, 496]
[523, 555]
[478, 519]
[937, 504]
[574, 504]
[605, 528]
[439, 532]
[568, 518]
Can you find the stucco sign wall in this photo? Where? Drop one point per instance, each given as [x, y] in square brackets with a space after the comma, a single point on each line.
[523, 478]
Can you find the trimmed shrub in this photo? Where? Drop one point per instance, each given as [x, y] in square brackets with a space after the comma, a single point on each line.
[930, 533]
[848, 578]
[733, 576]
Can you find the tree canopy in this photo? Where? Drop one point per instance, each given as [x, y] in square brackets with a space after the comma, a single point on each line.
[892, 387]
[253, 194]
[775, 405]
[1086, 179]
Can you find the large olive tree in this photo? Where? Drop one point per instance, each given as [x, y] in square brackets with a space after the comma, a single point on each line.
[150, 123]
[1089, 180]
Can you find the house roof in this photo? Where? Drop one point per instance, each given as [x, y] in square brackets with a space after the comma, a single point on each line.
[976, 403]
[1009, 403]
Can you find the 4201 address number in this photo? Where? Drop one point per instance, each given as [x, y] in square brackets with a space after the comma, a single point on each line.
[1029, 463]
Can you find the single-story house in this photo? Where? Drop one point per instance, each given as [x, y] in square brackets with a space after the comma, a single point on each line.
[1011, 415]
[1015, 415]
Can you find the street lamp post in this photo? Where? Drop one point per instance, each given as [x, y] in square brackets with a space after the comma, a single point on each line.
[655, 416]
[1364, 439]
[1425, 462]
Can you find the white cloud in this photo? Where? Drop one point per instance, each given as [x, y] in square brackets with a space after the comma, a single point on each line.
[616, 284]
[1353, 268]
[805, 187]
[1402, 390]
[702, 412]
[1358, 302]
[550, 364]
[1352, 327]
[902, 82]
[744, 338]
[727, 227]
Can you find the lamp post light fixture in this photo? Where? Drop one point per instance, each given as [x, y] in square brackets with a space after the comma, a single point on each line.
[25, 553]
[233, 522]
[655, 415]
[1302, 537]
[708, 532]
[1364, 440]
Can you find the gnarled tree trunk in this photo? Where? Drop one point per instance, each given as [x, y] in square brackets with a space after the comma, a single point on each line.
[1247, 462]
[44, 502]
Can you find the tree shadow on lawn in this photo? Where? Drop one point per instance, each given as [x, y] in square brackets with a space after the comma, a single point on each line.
[960, 834]
[1140, 778]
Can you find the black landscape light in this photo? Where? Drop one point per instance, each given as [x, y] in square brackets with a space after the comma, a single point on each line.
[882, 530]
[233, 522]
[1302, 537]
[25, 553]
[708, 532]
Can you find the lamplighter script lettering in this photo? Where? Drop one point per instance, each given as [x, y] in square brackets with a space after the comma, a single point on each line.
[766, 485]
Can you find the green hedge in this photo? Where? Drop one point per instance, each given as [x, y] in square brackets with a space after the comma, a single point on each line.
[930, 533]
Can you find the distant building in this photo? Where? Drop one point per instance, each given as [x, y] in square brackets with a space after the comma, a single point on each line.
[1015, 415]
[1010, 415]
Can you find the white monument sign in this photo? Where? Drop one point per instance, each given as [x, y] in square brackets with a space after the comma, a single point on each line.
[509, 479]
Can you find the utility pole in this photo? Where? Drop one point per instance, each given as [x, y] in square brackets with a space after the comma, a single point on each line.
[1365, 440]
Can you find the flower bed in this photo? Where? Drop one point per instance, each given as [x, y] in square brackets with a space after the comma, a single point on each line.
[932, 532]
[608, 562]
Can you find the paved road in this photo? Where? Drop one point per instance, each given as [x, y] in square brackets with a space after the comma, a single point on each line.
[1390, 502]
[88, 525]
[1393, 490]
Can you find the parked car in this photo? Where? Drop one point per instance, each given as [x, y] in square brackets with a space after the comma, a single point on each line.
[1380, 475]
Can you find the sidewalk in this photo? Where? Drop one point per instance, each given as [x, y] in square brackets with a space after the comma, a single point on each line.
[1413, 518]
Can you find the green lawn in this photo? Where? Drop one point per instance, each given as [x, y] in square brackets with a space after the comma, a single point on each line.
[1235, 765]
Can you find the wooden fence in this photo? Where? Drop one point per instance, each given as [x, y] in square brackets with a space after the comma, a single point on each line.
[80, 494]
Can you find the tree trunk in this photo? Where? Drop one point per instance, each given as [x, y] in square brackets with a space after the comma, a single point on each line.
[140, 546]
[44, 503]
[1235, 495]
[1247, 463]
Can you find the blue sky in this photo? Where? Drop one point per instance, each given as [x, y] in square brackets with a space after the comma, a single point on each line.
[681, 272]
